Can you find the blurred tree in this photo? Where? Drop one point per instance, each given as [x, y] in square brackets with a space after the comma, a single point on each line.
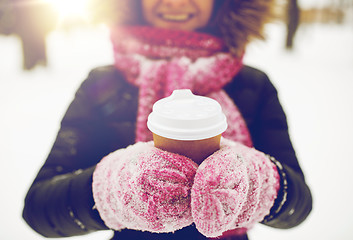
[31, 21]
[292, 17]
[6, 18]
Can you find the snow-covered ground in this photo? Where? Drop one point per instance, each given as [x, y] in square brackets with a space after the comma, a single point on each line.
[315, 82]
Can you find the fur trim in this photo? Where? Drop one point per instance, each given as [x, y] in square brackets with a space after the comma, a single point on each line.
[236, 21]
[243, 21]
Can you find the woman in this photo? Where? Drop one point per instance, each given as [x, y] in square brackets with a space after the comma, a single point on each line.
[159, 46]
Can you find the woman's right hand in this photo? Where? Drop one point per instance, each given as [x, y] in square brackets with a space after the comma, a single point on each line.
[144, 188]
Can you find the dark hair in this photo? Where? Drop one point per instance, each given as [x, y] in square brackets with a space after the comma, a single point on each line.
[237, 22]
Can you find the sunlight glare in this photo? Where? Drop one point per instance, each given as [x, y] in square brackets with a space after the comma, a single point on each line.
[70, 8]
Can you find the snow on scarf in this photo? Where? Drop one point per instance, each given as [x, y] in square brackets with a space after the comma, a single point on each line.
[159, 61]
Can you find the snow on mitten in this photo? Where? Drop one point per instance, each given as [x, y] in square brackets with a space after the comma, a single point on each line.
[233, 188]
[144, 188]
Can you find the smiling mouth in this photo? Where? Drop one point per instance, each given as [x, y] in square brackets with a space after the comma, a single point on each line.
[175, 17]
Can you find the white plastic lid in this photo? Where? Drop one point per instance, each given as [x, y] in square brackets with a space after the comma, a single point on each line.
[185, 116]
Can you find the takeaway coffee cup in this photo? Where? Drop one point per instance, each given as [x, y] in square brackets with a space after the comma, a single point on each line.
[187, 124]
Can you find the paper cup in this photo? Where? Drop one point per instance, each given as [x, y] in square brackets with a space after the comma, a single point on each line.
[187, 124]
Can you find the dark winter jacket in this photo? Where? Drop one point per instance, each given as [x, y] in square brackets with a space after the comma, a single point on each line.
[101, 119]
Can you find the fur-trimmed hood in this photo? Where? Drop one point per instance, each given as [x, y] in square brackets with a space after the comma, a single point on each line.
[241, 21]
[236, 21]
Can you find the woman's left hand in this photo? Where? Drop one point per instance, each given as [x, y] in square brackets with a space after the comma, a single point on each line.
[233, 188]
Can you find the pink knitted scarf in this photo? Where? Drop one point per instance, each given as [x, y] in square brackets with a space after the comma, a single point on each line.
[159, 61]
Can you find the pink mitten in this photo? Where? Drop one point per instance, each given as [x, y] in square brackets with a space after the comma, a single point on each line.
[144, 188]
[233, 188]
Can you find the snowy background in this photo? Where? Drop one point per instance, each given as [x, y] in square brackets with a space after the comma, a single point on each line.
[315, 83]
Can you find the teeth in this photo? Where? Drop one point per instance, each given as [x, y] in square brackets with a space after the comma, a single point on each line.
[175, 17]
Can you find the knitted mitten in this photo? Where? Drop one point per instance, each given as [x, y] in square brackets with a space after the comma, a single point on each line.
[233, 188]
[144, 188]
